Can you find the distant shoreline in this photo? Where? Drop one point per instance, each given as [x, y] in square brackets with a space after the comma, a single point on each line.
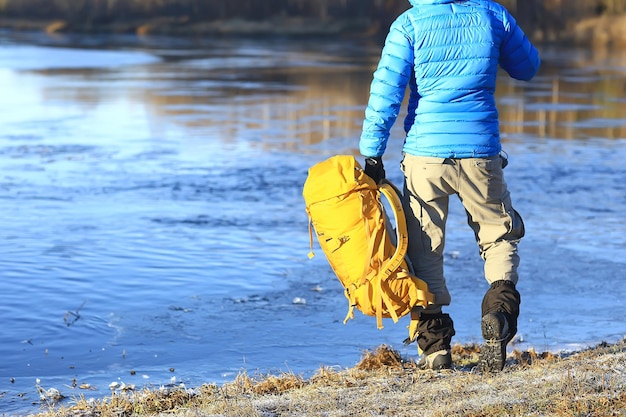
[289, 27]
[602, 31]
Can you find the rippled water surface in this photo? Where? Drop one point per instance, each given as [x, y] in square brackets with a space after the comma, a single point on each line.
[152, 229]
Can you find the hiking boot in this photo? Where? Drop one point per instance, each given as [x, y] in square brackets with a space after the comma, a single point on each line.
[442, 359]
[495, 330]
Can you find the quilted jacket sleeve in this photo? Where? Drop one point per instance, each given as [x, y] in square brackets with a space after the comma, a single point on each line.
[518, 57]
[387, 89]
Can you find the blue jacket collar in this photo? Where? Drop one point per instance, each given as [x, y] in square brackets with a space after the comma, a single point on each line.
[423, 2]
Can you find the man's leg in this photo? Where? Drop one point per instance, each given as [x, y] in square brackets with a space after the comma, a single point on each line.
[425, 202]
[426, 209]
[498, 229]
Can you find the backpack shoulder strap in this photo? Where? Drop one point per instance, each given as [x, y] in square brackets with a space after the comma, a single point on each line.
[392, 193]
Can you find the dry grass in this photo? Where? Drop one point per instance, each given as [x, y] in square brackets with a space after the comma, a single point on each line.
[588, 383]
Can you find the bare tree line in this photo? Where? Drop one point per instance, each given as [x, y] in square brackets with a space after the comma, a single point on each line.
[533, 14]
[555, 15]
[194, 9]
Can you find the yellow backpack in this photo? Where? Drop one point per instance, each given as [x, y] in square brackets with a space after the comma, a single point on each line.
[345, 209]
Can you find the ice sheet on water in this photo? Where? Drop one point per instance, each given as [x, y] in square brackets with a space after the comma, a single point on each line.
[33, 57]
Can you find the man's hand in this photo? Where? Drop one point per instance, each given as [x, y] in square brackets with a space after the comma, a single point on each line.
[374, 168]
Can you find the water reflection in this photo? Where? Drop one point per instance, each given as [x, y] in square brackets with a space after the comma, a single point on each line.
[578, 95]
[286, 99]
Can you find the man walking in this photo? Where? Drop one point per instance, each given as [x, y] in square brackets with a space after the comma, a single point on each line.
[448, 53]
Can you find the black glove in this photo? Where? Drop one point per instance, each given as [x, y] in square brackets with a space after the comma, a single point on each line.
[374, 169]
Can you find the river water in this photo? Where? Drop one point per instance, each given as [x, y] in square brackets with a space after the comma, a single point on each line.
[152, 227]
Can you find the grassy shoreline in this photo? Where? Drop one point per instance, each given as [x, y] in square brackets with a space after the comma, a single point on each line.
[591, 382]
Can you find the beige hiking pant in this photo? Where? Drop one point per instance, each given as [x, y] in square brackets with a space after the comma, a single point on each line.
[479, 184]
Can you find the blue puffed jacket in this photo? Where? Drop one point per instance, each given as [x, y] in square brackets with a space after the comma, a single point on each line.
[448, 53]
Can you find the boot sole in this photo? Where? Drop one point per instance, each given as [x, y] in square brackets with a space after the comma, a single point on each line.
[493, 351]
